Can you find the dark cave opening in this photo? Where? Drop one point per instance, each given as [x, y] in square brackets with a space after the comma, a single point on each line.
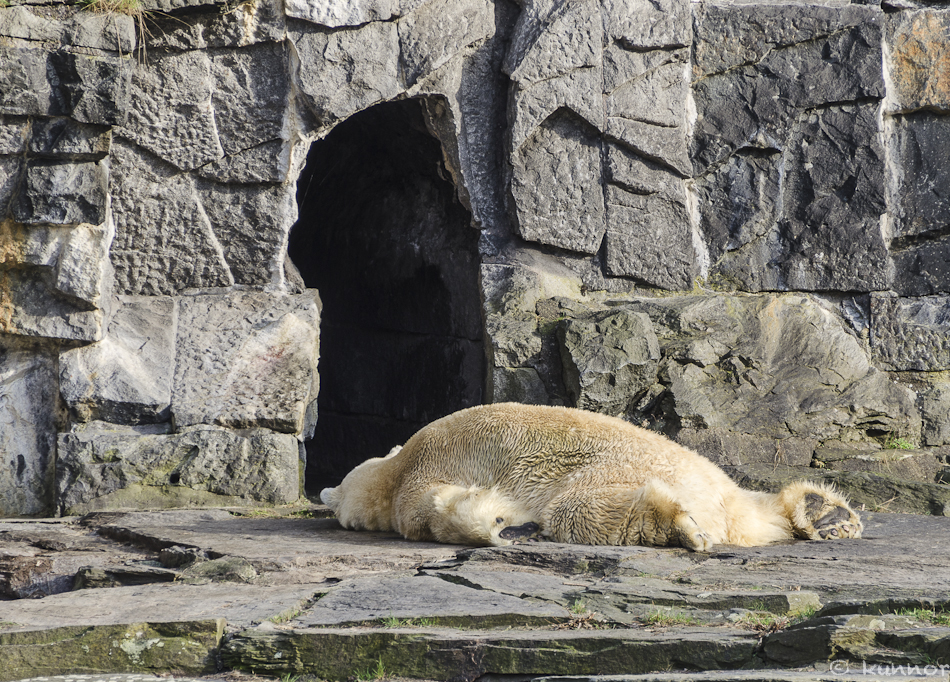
[383, 237]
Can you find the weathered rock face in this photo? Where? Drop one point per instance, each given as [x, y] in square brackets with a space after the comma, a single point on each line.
[724, 221]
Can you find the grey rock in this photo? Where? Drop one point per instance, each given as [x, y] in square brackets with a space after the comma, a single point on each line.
[236, 214]
[935, 412]
[518, 385]
[578, 92]
[250, 101]
[514, 338]
[657, 97]
[910, 333]
[99, 467]
[437, 30]
[622, 66]
[91, 88]
[667, 146]
[27, 431]
[562, 153]
[26, 91]
[63, 137]
[649, 237]
[909, 465]
[164, 239]
[637, 175]
[247, 360]
[372, 599]
[14, 134]
[113, 32]
[731, 35]
[347, 70]
[833, 202]
[738, 204]
[729, 448]
[62, 193]
[921, 205]
[33, 306]
[773, 366]
[11, 172]
[917, 59]
[843, 67]
[340, 13]
[246, 24]
[609, 360]
[126, 377]
[667, 23]
[171, 93]
[568, 38]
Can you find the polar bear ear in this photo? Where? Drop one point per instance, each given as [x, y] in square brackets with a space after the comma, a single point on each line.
[329, 497]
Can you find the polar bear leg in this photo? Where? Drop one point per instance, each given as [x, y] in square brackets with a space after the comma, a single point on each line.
[478, 516]
[819, 512]
[616, 515]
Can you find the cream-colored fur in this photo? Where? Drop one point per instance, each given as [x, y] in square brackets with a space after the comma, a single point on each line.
[496, 474]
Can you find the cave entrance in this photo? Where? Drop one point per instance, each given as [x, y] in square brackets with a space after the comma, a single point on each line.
[383, 237]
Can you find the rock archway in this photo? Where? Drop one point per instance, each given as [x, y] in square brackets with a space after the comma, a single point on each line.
[383, 237]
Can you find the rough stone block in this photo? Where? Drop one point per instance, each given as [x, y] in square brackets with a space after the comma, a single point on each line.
[62, 193]
[644, 25]
[935, 412]
[731, 35]
[164, 241]
[24, 89]
[438, 30]
[514, 338]
[14, 134]
[649, 237]
[103, 466]
[171, 109]
[757, 104]
[918, 60]
[556, 188]
[833, 202]
[609, 360]
[30, 305]
[10, 178]
[346, 71]
[63, 137]
[236, 214]
[251, 97]
[247, 360]
[657, 97]
[570, 37]
[738, 203]
[111, 31]
[728, 448]
[909, 465]
[774, 366]
[910, 333]
[27, 432]
[578, 91]
[91, 88]
[127, 377]
[518, 385]
[663, 145]
[245, 24]
[921, 196]
[339, 13]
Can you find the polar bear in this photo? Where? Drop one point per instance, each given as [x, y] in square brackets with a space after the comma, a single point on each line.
[504, 473]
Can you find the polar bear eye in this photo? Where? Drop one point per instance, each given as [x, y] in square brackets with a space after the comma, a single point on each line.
[499, 520]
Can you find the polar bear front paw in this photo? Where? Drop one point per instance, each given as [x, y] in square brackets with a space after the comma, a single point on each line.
[818, 512]
[840, 522]
[691, 536]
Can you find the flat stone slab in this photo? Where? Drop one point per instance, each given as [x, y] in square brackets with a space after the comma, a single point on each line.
[300, 595]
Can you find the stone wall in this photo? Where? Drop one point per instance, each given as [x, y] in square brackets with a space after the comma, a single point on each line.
[726, 221]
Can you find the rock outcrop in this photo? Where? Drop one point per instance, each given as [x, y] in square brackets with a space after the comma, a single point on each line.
[728, 222]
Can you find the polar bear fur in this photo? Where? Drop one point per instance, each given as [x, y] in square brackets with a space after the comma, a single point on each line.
[498, 474]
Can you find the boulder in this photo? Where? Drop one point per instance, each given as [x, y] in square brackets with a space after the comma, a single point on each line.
[106, 466]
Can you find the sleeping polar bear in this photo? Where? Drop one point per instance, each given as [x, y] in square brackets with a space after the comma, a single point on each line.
[503, 473]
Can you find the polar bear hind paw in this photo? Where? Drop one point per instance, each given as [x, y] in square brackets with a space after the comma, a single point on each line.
[819, 512]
